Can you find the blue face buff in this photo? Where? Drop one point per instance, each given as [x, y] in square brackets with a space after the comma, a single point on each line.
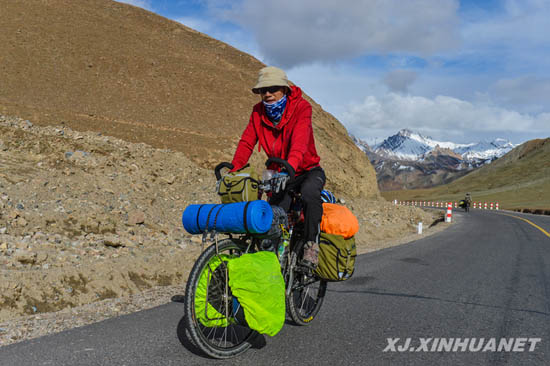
[275, 110]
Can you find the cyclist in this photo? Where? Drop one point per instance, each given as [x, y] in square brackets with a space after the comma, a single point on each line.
[467, 201]
[281, 123]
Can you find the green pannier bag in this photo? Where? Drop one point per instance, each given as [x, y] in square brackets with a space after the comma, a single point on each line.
[207, 312]
[336, 257]
[256, 281]
[239, 186]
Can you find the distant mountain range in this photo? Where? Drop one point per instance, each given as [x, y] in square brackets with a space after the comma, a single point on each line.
[408, 160]
[518, 180]
[409, 145]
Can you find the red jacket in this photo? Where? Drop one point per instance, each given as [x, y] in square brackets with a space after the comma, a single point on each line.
[291, 140]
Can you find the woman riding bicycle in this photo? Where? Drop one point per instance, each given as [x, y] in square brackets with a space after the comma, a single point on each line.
[281, 123]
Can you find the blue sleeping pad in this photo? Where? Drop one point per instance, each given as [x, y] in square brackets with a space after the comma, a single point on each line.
[242, 217]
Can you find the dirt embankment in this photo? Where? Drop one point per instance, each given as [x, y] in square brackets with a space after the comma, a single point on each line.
[104, 66]
[86, 217]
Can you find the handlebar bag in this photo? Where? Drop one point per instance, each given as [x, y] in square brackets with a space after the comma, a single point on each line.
[239, 186]
[336, 257]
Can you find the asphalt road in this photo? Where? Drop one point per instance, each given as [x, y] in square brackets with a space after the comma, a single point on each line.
[487, 276]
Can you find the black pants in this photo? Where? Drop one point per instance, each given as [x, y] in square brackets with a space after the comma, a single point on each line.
[309, 184]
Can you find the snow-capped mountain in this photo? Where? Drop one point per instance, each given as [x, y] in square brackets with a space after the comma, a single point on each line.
[485, 150]
[409, 145]
[362, 145]
[408, 160]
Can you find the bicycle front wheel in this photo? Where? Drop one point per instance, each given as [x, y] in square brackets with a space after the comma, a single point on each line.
[305, 291]
[209, 314]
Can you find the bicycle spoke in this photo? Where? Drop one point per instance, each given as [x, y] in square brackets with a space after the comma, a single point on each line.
[215, 331]
[212, 329]
[222, 337]
[234, 334]
[303, 301]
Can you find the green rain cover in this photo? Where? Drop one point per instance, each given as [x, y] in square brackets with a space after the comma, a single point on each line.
[207, 314]
[256, 281]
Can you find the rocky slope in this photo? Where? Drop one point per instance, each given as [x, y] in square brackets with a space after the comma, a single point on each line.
[439, 166]
[86, 217]
[103, 66]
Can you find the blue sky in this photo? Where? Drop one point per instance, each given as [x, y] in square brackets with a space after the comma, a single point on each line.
[460, 71]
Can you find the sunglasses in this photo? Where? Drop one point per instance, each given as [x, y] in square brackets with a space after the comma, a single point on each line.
[271, 89]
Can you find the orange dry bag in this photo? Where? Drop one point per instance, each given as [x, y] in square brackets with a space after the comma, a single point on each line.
[338, 220]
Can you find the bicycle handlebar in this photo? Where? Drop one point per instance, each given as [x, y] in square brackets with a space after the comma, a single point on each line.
[289, 169]
[219, 167]
[283, 163]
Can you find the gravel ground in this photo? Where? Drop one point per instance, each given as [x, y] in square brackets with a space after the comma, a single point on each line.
[33, 326]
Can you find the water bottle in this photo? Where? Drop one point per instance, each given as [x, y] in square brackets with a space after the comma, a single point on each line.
[282, 246]
[282, 249]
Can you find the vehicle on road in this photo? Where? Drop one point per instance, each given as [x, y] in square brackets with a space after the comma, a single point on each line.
[304, 290]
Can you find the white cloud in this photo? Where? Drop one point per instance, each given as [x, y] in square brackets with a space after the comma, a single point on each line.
[291, 33]
[528, 92]
[399, 80]
[440, 117]
[145, 4]
[335, 86]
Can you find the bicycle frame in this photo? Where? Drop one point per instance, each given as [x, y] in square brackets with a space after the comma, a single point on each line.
[302, 297]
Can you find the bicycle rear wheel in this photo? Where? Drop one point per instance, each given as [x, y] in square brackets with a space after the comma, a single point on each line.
[307, 291]
[209, 305]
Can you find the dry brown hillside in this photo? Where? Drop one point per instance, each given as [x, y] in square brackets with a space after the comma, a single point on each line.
[98, 65]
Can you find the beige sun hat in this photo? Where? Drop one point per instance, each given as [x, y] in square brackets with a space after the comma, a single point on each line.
[270, 76]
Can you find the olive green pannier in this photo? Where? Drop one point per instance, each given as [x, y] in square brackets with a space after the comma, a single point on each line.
[239, 186]
[336, 257]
